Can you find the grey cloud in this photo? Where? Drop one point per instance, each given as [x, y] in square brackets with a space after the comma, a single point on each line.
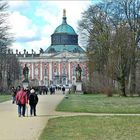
[28, 39]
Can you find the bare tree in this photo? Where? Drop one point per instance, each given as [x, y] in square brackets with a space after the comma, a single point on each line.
[12, 69]
[95, 25]
[8, 62]
[120, 56]
[112, 29]
[128, 12]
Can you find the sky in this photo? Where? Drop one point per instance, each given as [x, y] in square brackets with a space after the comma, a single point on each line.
[34, 21]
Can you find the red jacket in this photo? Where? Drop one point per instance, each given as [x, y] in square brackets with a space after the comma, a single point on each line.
[22, 96]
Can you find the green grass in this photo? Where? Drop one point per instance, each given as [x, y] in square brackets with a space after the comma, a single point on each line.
[99, 104]
[92, 128]
[4, 98]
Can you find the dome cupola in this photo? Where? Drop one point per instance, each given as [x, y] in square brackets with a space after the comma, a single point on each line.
[64, 38]
[64, 27]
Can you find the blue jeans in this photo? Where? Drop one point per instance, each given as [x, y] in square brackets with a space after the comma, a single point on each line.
[33, 110]
[21, 110]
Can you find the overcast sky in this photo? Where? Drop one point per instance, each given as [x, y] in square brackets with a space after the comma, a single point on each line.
[33, 22]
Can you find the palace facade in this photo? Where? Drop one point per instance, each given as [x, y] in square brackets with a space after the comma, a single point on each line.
[57, 64]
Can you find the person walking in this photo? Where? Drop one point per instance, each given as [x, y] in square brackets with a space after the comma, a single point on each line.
[63, 89]
[21, 100]
[51, 90]
[13, 95]
[33, 100]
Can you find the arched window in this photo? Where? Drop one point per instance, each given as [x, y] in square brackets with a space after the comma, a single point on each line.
[64, 68]
[55, 69]
[73, 70]
[45, 71]
[36, 73]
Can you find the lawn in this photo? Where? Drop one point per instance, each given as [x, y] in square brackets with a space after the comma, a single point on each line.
[99, 104]
[92, 128]
[4, 98]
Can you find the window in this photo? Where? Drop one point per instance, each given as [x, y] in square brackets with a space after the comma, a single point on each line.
[45, 72]
[55, 69]
[73, 70]
[64, 68]
[36, 73]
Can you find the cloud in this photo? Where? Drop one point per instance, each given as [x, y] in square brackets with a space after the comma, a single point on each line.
[35, 45]
[18, 5]
[23, 27]
[51, 11]
[33, 28]
[17, 46]
[43, 43]
[27, 39]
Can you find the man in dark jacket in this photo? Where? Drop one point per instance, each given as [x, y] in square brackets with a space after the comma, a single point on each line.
[33, 100]
[63, 90]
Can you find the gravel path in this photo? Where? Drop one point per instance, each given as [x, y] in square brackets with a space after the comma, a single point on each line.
[13, 127]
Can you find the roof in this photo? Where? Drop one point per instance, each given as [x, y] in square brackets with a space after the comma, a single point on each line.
[64, 28]
[61, 48]
[63, 45]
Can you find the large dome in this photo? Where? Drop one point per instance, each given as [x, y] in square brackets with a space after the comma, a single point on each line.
[64, 38]
[64, 28]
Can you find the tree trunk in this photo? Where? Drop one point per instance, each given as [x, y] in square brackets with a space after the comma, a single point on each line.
[133, 78]
[122, 83]
[121, 80]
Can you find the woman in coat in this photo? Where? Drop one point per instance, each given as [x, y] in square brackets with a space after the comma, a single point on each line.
[33, 100]
[21, 100]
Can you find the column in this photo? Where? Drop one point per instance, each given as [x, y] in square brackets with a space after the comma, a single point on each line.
[32, 70]
[59, 71]
[69, 69]
[40, 71]
[50, 70]
[59, 68]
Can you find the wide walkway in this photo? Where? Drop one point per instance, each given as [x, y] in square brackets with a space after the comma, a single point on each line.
[13, 127]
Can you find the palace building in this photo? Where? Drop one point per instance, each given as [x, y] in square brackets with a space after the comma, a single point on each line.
[57, 64]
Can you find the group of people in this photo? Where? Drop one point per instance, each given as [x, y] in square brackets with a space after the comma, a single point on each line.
[52, 89]
[22, 97]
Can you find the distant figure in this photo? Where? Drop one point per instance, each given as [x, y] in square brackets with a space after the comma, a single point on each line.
[13, 95]
[78, 73]
[33, 100]
[69, 90]
[21, 100]
[51, 90]
[25, 73]
[46, 90]
[63, 90]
